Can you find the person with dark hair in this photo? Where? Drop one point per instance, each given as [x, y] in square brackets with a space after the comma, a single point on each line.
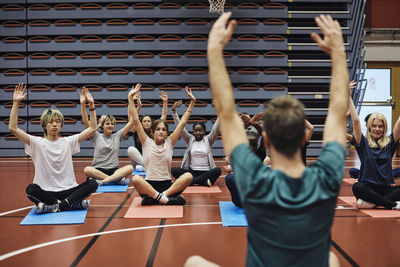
[289, 207]
[105, 166]
[355, 172]
[375, 185]
[54, 186]
[135, 152]
[198, 158]
[157, 187]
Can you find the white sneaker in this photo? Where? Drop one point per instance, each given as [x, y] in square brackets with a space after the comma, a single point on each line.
[361, 204]
[397, 206]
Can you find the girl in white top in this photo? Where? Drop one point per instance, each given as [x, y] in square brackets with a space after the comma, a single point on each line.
[54, 186]
[158, 187]
[105, 166]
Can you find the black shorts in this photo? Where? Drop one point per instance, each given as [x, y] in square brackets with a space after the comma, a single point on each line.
[161, 186]
[109, 172]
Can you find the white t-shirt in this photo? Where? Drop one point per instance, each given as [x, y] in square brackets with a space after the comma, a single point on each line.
[199, 156]
[54, 170]
[157, 160]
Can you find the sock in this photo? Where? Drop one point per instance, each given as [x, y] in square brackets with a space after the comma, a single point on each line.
[161, 197]
[99, 182]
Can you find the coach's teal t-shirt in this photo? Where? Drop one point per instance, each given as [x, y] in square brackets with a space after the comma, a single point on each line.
[289, 219]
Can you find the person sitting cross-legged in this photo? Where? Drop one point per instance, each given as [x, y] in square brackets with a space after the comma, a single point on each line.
[157, 187]
[105, 166]
[54, 186]
[198, 158]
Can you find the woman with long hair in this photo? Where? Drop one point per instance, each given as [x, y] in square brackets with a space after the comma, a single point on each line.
[375, 185]
[157, 187]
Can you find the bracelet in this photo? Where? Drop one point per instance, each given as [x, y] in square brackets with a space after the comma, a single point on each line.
[188, 110]
[92, 109]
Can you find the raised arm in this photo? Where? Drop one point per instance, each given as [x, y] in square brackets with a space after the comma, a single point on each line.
[88, 132]
[356, 122]
[185, 134]
[134, 114]
[19, 95]
[232, 128]
[136, 97]
[164, 98]
[129, 125]
[309, 130]
[332, 44]
[82, 100]
[181, 125]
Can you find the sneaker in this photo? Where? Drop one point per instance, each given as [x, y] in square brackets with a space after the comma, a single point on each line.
[178, 200]
[147, 201]
[42, 208]
[208, 182]
[361, 204]
[397, 206]
[139, 168]
[80, 205]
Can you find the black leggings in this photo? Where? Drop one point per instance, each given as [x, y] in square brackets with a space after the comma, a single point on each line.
[78, 193]
[199, 177]
[381, 195]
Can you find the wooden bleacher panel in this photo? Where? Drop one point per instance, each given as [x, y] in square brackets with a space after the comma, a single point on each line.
[59, 47]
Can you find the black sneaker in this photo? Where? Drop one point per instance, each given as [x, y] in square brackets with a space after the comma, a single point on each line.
[178, 200]
[80, 205]
[147, 201]
[42, 208]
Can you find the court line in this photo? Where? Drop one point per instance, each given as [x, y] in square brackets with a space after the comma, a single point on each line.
[12, 211]
[156, 243]
[103, 227]
[30, 248]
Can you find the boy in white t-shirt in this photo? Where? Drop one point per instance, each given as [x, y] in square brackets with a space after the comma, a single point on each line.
[54, 186]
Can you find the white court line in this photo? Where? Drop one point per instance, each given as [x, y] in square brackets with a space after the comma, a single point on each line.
[20, 251]
[12, 211]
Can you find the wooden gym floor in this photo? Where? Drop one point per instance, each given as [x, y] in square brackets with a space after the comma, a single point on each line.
[107, 239]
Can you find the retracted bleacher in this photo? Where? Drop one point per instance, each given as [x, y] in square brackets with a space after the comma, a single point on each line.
[56, 47]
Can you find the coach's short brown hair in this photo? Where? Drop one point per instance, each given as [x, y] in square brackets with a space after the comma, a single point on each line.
[284, 124]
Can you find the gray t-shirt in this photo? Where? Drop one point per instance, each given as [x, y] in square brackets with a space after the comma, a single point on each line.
[106, 150]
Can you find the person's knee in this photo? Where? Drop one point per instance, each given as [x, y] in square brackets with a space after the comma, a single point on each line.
[137, 179]
[187, 176]
[30, 189]
[129, 169]
[333, 260]
[217, 171]
[197, 261]
[92, 184]
[87, 170]
[356, 188]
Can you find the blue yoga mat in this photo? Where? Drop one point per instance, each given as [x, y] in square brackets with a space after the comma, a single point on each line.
[113, 188]
[62, 217]
[135, 172]
[231, 215]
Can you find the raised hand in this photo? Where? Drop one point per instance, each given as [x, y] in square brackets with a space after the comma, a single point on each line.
[257, 117]
[176, 105]
[190, 94]
[333, 39]
[352, 85]
[134, 90]
[19, 92]
[220, 35]
[163, 96]
[88, 95]
[82, 98]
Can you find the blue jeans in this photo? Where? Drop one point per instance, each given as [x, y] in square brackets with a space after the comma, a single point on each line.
[230, 183]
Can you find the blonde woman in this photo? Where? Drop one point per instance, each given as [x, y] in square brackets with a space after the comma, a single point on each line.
[375, 186]
[105, 166]
[54, 186]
